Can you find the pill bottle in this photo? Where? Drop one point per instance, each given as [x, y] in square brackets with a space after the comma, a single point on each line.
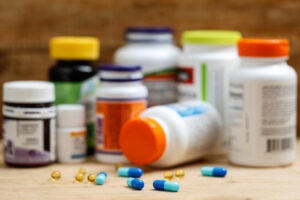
[172, 134]
[262, 105]
[71, 133]
[208, 57]
[153, 49]
[28, 123]
[74, 75]
[121, 97]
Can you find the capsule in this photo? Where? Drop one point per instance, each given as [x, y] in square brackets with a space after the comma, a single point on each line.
[166, 185]
[214, 171]
[101, 178]
[130, 172]
[135, 183]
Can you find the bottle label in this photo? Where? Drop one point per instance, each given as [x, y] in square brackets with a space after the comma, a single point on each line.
[29, 141]
[262, 121]
[78, 140]
[111, 114]
[186, 110]
[80, 92]
[162, 86]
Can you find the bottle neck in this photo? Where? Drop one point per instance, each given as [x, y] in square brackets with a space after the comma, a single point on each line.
[120, 83]
[261, 62]
[65, 63]
[201, 48]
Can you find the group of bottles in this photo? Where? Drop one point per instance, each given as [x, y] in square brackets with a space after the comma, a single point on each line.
[220, 94]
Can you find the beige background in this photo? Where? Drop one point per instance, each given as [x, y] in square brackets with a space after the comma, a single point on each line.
[27, 25]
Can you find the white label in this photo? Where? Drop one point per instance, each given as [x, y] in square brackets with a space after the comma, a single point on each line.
[263, 122]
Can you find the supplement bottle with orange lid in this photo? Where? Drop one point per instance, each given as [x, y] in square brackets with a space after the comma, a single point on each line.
[121, 97]
[172, 134]
[262, 105]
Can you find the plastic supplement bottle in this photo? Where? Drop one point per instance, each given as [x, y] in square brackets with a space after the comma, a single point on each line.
[74, 75]
[71, 133]
[172, 134]
[153, 49]
[121, 97]
[204, 66]
[262, 105]
[28, 123]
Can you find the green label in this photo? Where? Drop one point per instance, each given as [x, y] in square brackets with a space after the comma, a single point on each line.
[67, 93]
[203, 70]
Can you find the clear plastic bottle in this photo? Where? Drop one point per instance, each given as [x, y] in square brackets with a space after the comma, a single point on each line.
[204, 67]
[262, 105]
[121, 97]
[153, 49]
[172, 134]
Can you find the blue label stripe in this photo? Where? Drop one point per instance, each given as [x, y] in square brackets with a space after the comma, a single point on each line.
[121, 99]
[110, 152]
[76, 156]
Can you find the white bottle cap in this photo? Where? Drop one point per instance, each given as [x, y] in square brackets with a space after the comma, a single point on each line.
[70, 115]
[28, 92]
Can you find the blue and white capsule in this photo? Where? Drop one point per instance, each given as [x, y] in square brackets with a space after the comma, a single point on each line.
[130, 172]
[135, 183]
[166, 185]
[101, 178]
[214, 171]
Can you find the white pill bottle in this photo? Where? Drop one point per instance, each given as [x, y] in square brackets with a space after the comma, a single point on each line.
[262, 105]
[71, 133]
[172, 134]
[120, 97]
[207, 59]
[153, 49]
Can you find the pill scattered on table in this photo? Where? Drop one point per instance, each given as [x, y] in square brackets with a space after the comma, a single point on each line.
[168, 175]
[92, 178]
[135, 183]
[214, 171]
[130, 172]
[166, 185]
[101, 178]
[179, 174]
[55, 175]
[79, 177]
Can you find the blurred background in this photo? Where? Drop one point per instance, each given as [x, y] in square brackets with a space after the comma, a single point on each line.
[27, 25]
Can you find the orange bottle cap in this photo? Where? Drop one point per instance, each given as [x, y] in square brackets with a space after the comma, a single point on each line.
[142, 140]
[263, 47]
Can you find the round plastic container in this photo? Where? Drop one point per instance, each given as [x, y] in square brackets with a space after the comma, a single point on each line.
[71, 133]
[28, 123]
[121, 97]
[172, 134]
[153, 49]
[262, 105]
[204, 67]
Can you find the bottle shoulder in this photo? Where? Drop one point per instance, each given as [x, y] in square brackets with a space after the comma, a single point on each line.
[65, 73]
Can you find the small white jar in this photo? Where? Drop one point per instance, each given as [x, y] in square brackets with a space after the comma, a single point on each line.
[153, 49]
[204, 67]
[120, 97]
[262, 105]
[172, 134]
[71, 133]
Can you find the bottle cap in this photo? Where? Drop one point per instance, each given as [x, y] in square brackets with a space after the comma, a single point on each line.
[28, 92]
[142, 140]
[218, 37]
[120, 73]
[70, 115]
[149, 34]
[249, 47]
[74, 48]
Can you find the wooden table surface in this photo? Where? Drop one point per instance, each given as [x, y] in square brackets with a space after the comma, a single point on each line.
[240, 183]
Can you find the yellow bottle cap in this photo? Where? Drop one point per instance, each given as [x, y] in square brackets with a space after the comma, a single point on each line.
[74, 48]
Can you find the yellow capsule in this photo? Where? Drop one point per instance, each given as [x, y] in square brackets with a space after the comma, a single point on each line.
[117, 166]
[92, 178]
[168, 175]
[79, 177]
[55, 175]
[82, 171]
[179, 174]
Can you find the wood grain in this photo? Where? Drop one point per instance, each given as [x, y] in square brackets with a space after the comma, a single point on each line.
[241, 183]
[26, 26]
